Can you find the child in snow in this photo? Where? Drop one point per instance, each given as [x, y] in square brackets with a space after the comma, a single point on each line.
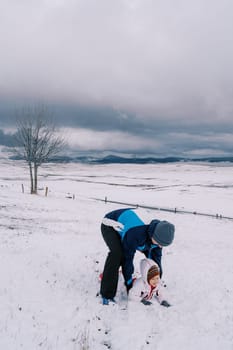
[148, 286]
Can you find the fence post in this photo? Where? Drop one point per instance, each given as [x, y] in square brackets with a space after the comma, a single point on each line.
[46, 191]
[105, 199]
[22, 188]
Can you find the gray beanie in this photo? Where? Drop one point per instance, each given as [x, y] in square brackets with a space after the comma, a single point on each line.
[164, 233]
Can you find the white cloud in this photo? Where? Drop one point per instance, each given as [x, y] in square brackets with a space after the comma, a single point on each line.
[85, 140]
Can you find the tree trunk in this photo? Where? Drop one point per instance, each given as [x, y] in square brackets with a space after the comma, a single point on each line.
[31, 177]
[35, 178]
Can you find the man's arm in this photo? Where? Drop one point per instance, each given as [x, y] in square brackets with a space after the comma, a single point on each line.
[129, 250]
[128, 267]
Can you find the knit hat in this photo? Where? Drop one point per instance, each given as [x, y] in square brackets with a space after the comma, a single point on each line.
[164, 233]
[152, 272]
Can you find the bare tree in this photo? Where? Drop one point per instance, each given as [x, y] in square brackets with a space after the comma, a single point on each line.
[37, 140]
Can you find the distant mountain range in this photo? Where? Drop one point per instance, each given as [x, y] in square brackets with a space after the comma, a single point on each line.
[101, 158]
[113, 159]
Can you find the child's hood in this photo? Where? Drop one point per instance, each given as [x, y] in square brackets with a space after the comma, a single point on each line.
[145, 265]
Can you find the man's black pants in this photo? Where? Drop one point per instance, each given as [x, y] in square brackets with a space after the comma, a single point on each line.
[113, 261]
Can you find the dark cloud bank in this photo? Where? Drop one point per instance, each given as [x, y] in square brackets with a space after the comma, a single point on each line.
[152, 76]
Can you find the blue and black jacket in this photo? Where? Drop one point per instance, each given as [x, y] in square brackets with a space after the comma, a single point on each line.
[135, 235]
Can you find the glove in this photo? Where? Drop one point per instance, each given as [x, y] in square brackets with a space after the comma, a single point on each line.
[165, 303]
[112, 223]
[129, 286]
[145, 302]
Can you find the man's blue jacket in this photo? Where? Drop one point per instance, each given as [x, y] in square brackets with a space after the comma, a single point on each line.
[135, 235]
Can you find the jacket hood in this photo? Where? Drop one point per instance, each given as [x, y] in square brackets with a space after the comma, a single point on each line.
[152, 226]
[145, 265]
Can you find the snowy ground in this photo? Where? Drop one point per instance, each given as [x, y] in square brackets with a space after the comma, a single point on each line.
[51, 253]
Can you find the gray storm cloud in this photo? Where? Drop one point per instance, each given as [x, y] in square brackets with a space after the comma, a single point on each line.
[146, 67]
[156, 58]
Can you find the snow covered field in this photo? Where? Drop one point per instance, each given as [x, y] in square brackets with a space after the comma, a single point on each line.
[51, 254]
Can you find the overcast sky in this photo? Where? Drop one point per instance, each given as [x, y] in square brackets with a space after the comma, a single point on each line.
[143, 76]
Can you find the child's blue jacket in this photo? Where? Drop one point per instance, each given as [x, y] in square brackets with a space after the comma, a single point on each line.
[135, 235]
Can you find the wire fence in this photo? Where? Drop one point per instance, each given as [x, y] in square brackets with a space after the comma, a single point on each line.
[170, 210]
